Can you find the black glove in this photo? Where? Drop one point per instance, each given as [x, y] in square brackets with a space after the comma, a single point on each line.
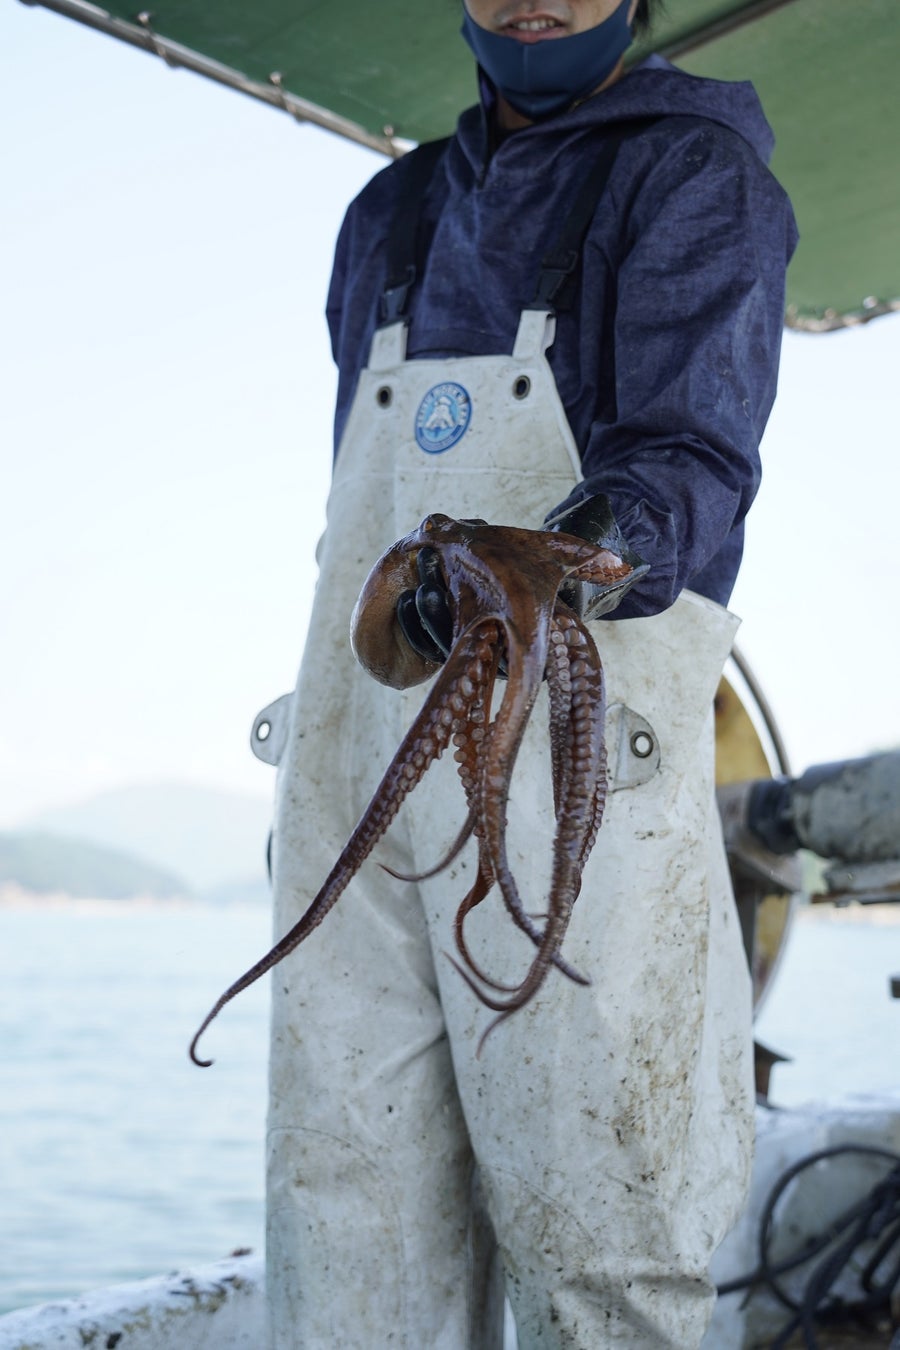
[424, 614]
[592, 519]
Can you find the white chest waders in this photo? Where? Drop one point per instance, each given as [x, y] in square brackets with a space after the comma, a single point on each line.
[611, 1125]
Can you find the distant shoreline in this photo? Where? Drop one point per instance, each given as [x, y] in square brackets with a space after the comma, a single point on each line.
[18, 898]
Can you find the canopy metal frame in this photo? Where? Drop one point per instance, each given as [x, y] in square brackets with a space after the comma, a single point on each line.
[821, 310]
[141, 34]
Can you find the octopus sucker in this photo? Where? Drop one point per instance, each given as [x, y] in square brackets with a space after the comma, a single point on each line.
[503, 587]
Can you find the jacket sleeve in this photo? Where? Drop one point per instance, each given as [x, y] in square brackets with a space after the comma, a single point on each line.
[354, 292]
[699, 315]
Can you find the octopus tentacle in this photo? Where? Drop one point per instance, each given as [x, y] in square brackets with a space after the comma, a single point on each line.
[587, 750]
[495, 774]
[450, 856]
[467, 763]
[559, 686]
[505, 740]
[424, 743]
[483, 884]
[534, 978]
[503, 584]
[475, 897]
[468, 738]
[522, 685]
[599, 565]
[484, 881]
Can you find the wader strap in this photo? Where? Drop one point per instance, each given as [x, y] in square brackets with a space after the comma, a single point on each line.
[404, 243]
[556, 286]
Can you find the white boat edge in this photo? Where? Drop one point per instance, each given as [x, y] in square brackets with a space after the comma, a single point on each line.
[222, 1306]
[216, 1307]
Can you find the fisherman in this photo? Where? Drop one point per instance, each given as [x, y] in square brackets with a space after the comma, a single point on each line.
[570, 312]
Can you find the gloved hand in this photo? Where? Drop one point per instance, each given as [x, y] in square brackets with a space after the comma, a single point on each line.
[592, 519]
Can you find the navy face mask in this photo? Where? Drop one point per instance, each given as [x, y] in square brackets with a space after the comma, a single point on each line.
[539, 79]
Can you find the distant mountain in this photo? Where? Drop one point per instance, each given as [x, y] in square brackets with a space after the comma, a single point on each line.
[215, 840]
[44, 863]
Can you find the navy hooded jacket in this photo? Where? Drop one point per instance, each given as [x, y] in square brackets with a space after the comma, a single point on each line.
[667, 362]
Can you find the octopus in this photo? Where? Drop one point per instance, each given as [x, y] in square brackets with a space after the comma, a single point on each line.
[512, 630]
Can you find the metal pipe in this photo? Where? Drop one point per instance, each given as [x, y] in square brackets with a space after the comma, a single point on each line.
[848, 811]
[708, 32]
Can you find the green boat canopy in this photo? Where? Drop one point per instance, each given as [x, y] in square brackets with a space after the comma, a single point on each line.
[389, 73]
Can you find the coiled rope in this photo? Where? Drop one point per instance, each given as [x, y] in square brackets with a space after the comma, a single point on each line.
[862, 1243]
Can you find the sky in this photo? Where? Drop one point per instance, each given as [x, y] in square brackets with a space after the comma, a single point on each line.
[165, 440]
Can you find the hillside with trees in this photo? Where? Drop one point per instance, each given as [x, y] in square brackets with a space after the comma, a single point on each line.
[43, 864]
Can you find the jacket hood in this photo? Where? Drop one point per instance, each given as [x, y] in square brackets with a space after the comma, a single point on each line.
[655, 88]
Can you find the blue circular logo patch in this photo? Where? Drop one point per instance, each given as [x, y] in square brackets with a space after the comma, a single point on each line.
[442, 418]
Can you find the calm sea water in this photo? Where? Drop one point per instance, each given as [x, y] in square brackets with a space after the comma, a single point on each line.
[121, 1160]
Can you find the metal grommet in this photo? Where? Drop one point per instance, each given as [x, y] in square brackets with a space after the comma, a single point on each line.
[641, 745]
[269, 734]
[384, 396]
[633, 748]
[521, 387]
